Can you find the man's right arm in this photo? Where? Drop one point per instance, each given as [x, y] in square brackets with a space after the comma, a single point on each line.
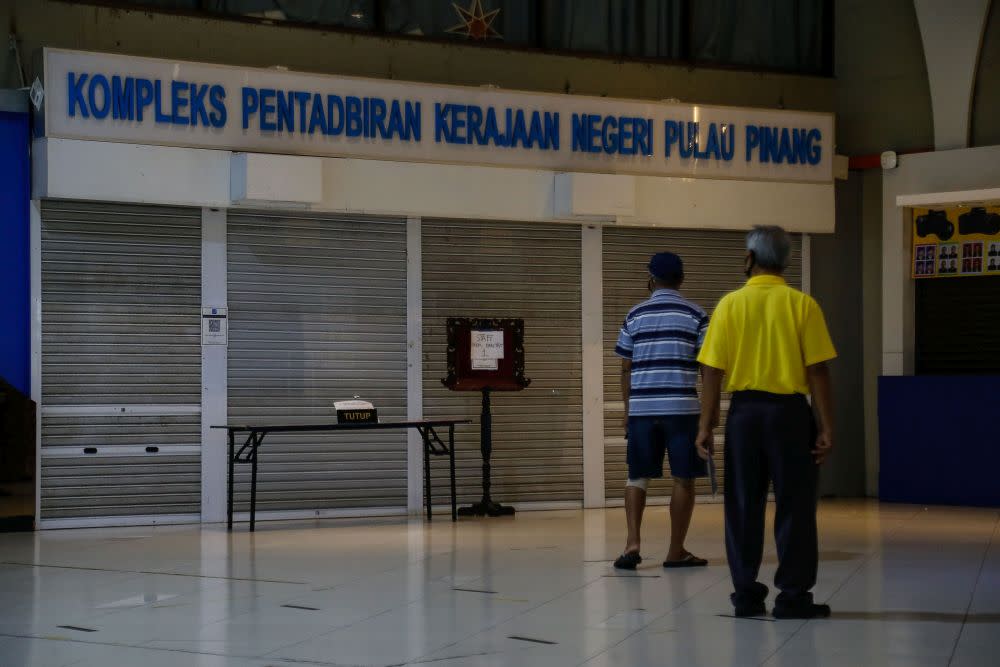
[624, 349]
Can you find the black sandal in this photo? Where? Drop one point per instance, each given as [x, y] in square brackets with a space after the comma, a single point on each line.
[689, 560]
[628, 561]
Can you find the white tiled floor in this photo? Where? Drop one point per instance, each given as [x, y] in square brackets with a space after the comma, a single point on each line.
[909, 586]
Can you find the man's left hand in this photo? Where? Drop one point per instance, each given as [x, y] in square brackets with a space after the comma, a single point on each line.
[704, 443]
[824, 445]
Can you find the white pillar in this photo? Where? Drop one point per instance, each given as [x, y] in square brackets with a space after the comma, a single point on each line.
[414, 365]
[898, 326]
[593, 366]
[214, 370]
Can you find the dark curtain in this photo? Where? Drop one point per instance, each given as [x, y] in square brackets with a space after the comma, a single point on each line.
[346, 13]
[783, 34]
[358, 14]
[645, 28]
[779, 34]
[170, 4]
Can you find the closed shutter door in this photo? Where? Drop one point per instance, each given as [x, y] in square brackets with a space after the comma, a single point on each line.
[121, 360]
[317, 314]
[958, 326]
[713, 265]
[528, 271]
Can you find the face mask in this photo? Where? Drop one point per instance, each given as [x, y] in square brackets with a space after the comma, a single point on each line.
[650, 286]
[749, 264]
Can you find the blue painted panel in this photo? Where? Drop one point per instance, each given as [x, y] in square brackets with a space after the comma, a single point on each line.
[939, 440]
[15, 271]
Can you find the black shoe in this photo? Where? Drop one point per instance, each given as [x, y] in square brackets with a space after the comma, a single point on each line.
[803, 611]
[628, 561]
[747, 610]
[750, 602]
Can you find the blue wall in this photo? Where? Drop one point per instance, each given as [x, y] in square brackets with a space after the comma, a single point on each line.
[939, 440]
[15, 272]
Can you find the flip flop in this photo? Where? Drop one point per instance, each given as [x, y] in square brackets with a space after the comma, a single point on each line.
[628, 561]
[690, 560]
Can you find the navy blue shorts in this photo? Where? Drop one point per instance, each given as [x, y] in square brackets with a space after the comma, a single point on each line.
[650, 437]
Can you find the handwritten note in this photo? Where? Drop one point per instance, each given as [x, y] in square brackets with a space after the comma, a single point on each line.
[487, 350]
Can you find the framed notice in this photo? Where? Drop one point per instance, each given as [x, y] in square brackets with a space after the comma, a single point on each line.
[485, 353]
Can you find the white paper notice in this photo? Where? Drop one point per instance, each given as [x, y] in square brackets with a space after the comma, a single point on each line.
[487, 350]
[215, 326]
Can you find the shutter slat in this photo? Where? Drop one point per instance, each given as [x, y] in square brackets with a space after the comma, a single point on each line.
[317, 313]
[121, 304]
[528, 271]
[958, 326]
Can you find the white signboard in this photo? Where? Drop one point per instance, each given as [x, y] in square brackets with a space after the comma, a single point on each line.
[487, 350]
[149, 101]
[215, 326]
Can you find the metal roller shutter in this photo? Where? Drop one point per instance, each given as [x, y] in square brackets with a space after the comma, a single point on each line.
[958, 326]
[317, 313]
[530, 271]
[713, 264]
[121, 360]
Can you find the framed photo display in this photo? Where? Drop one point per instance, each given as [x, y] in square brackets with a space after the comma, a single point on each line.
[956, 242]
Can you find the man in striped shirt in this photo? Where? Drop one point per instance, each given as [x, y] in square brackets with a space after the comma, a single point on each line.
[659, 344]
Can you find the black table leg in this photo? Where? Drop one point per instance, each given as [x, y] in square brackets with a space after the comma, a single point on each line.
[451, 462]
[229, 488]
[253, 481]
[427, 473]
[250, 450]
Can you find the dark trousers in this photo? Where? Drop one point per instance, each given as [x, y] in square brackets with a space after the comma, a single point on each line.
[769, 438]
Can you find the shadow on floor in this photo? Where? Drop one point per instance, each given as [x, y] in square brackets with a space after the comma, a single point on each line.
[915, 616]
[824, 556]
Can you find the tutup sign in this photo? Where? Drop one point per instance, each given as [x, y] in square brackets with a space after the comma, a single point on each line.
[150, 101]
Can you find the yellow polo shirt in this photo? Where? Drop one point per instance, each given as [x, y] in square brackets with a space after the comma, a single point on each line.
[764, 335]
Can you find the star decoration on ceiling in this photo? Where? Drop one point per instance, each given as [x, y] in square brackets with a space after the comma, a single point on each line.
[476, 23]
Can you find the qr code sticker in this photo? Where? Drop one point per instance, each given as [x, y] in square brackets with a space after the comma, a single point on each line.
[215, 326]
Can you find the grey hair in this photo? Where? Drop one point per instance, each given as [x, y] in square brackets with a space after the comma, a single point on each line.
[770, 246]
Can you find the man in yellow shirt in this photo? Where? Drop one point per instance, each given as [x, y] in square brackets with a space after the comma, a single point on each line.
[771, 343]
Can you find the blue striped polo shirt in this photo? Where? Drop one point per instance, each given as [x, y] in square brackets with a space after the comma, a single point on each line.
[662, 337]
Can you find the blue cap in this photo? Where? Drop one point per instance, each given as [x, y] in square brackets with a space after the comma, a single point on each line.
[666, 266]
